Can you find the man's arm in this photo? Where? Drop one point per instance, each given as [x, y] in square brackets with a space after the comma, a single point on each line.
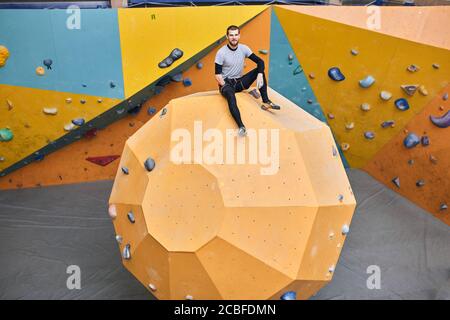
[258, 61]
[218, 75]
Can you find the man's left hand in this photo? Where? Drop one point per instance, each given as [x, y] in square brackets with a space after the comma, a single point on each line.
[259, 80]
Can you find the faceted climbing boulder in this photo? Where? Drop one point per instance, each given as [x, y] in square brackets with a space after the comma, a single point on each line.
[202, 213]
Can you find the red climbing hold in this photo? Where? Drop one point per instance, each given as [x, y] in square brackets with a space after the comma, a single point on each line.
[91, 133]
[102, 161]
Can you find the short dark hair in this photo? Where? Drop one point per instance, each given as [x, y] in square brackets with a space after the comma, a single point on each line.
[233, 27]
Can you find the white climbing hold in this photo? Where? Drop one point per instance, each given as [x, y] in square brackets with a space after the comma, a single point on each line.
[9, 104]
[365, 106]
[119, 238]
[385, 95]
[69, 127]
[152, 286]
[350, 125]
[51, 111]
[112, 211]
[331, 235]
[331, 269]
[189, 297]
[68, 100]
[345, 229]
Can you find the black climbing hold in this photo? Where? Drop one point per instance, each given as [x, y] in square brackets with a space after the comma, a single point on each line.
[48, 63]
[149, 164]
[112, 84]
[135, 110]
[125, 170]
[336, 74]
[420, 183]
[396, 181]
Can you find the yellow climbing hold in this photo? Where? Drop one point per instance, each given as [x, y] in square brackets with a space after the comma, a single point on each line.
[423, 90]
[40, 71]
[9, 104]
[4, 55]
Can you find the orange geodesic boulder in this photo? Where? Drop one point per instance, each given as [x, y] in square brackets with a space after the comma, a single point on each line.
[202, 213]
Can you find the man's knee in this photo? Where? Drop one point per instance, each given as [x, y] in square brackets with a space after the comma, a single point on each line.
[227, 90]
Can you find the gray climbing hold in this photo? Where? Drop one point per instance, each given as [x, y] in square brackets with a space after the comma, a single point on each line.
[130, 216]
[443, 207]
[445, 97]
[335, 152]
[177, 77]
[354, 52]
[174, 55]
[126, 253]
[78, 121]
[413, 68]
[125, 170]
[149, 164]
[420, 183]
[369, 135]
[340, 197]
[163, 112]
[199, 65]
[409, 89]
[396, 181]
[441, 122]
[345, 229]
[367, 81]
[120, 111]
[411, 140]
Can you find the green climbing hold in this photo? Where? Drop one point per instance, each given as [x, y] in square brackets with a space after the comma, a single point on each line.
[6, 134]
[297, 70]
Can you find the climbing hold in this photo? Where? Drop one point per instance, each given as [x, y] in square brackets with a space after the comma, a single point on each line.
[436, 65]
[4, 55]
[102, 160]
[69, 127]
[297, 70]
[443, 207]
[411, 140]
[177, 77]
[402, 104]
[120, 111]
[50, 111]
[331, 269]
[388, 124]
[345, 229]
[290, 295]
[173, 56]
[290, 58]
[367, 81]
[345, 146]
[350, 125]
[6, 134]
[441, 122]
[125, 170]
[303, 88]
[331, 235]
[9, 104]
[420, 183]
[48, 63]
[335, 74]
[163, 112]
[91, 133]
[312, 76]
[68, 100]
[84, 85]
[433, 159]
[149, 164]
[411, 162]
[99, 100]
[410, 89]
[340, 197]
[354, 52]
[331, 116]
[126, 254]
[78, 121]
[425, 141]
[151, 111]
[413, 68]
[365, 106]
[335, 152]
[263, 51]
[2, 159]
[135, 110]
[423, 91]
[152, 286]
[369, 135]
[309, 101]
[445, 97]
[130, 217]
[40, 71]
[199, 65]
[189, 297]
[385, 95]
[119, 239]
[112, 84]
[441, 108]
[396, 181]
[255, 94]
[82, 101]
[187, 82]
[112, 211]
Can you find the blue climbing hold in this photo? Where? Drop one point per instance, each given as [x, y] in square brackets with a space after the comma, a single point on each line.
[125, 170]
[112, 84]
[199, 65]
[78, 122]
[151, 111]
[177, 77]
[369, 135]
[149, 164]
[48, 63]
[187, 82]
[388, 123]
[39, 157]
[290, 295]
[411, 140]
[425, 141]
[367, 81]
[402, 104]
[336, 74]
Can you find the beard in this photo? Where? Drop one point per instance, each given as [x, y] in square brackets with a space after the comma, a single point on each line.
[233, 43]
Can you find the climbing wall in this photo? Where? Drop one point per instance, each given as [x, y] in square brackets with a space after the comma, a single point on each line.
[69, 165]
[196, 231]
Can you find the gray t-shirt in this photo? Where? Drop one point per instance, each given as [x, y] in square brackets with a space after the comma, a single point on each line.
[232, 61]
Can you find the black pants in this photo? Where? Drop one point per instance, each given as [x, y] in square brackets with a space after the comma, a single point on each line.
[237, 85]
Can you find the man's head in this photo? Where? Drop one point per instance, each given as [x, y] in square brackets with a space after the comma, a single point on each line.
[233, 35]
